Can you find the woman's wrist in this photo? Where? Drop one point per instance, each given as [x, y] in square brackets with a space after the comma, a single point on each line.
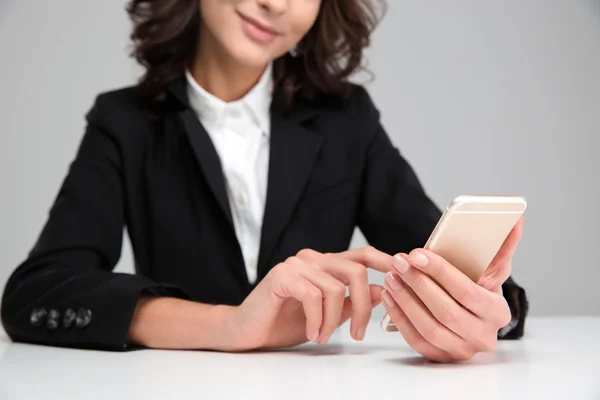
[221, 335]
[171, 323]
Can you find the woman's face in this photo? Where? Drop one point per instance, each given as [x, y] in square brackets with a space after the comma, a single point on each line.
[254, 32]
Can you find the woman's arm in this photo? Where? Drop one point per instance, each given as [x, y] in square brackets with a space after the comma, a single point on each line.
[69, 271]
[172, 323]
[396, 215]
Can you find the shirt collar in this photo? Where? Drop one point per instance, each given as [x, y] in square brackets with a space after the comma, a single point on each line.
[258, 100]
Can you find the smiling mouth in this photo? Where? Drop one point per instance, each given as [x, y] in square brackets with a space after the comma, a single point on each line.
[257, 30]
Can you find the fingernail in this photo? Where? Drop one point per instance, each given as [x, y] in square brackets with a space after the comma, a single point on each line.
[419, 259]
[322, 340]
[393, 281]
[387, 298]
[314, 337]
[400, 264]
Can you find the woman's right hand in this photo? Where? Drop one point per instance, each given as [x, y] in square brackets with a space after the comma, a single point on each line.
[304, 298]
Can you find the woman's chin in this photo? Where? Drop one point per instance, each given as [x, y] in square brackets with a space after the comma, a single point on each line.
[252, 57]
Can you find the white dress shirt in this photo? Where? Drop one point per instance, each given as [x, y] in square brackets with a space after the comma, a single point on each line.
[240, 131]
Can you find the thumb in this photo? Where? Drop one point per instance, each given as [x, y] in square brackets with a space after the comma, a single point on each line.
[509, 247]
[500, 268]
[375, 291]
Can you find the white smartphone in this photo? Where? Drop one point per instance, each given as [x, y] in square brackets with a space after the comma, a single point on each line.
[470, 232]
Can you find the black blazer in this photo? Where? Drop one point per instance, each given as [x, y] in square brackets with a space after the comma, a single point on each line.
[332, 168]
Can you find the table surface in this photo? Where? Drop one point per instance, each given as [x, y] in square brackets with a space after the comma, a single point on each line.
[558, 359]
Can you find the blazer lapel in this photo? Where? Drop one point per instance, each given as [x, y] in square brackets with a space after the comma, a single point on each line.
[293, 152]
[207, 157]
[203, 149]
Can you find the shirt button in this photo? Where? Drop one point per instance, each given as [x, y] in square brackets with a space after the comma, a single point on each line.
[241, 197]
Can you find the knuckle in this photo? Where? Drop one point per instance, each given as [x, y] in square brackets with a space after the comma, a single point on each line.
[339, 290]
[358, 272]
[313, 294]
[504, 317]
[470, 295]
[449, 317]
[432, 335]
[369, 249]
[417, 279]
[500, 314]
[369, 252]
[290, 261]
[435, 269]
[278, 271]
[306, 253]
[313, 265]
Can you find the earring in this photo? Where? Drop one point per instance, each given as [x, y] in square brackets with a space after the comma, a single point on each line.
[295, 51]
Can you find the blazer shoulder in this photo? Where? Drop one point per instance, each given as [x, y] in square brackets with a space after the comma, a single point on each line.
[354, 115]
[362, 102]
[119, 106]
[357, 107]
[126, 93]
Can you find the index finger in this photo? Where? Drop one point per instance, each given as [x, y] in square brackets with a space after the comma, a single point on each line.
[370, 257]
[458, 285]
[351, 274]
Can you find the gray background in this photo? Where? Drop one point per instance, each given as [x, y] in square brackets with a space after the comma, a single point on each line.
[480, 96]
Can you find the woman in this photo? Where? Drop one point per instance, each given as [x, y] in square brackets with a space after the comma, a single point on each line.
[240, 165]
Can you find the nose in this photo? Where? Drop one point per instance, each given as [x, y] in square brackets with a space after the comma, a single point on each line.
[274, 6]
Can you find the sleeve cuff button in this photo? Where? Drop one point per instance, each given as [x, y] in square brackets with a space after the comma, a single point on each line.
[84, 317]
[37, 316]
[52, 320]
[69, 318]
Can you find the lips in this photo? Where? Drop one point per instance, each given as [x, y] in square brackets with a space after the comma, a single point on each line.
[257, 30]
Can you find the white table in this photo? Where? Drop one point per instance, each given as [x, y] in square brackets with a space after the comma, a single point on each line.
[558, 359]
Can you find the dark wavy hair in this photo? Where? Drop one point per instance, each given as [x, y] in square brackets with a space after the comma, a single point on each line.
[165, 33]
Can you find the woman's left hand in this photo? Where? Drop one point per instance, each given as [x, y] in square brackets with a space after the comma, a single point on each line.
[440, 312]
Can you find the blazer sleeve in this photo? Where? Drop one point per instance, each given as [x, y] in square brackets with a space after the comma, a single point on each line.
[65, 293]
[396, 214]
